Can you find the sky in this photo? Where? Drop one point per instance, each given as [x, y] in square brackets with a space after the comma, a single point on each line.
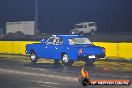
[57, 16]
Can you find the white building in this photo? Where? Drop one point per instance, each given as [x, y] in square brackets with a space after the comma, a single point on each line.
[26, 27]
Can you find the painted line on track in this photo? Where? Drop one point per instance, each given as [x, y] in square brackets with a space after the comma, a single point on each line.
[52, 83]
[38, 74]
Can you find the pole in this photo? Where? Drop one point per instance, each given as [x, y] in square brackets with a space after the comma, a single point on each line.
[36, 16]
[1, 33]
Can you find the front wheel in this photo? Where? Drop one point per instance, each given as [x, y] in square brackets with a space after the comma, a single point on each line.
[33, 57]
[66, 60]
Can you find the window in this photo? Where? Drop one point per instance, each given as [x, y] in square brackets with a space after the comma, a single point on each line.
[50, 41]
[54, 41]
[85, 26]
[78, 26]
[74, 41]
[91, 24]
[58, 41]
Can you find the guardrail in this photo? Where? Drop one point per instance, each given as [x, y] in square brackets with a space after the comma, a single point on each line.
[118, 50]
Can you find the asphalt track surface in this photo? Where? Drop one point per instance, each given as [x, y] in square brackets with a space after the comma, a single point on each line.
[17, 74]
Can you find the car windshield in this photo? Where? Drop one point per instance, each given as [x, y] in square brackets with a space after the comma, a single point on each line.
[91, 24]
[78, 26]
[74, 41]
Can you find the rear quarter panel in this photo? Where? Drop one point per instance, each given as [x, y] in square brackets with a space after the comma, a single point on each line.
[73, 53]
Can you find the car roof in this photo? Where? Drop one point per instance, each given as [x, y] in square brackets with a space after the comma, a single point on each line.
[68, 36]
[85, 23]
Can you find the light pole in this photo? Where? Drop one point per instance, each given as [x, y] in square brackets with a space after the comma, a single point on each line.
[1, 33]
[36, 16]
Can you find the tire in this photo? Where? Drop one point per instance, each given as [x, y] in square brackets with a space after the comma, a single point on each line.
[33, 57]
[56, 61]
[66, 60]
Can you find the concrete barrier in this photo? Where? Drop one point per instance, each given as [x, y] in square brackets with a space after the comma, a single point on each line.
[118, 50]
[13, 47]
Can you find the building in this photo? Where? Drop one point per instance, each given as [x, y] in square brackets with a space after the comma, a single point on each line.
[26, 27]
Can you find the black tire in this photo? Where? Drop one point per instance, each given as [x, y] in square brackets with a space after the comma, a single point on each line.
[33, 57]
[56, 61]
[66, 60]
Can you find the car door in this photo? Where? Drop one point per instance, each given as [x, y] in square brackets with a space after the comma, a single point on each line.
[56, 48]
[46, 51]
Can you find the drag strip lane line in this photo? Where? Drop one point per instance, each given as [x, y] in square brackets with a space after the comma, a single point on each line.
[49, 86]
[93, 74]
[112, 75]
[47, 83]
[53, 83]
[38, 74]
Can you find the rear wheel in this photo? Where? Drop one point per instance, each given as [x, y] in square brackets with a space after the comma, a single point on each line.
[66, 60]
[56, 61]
[33, 57]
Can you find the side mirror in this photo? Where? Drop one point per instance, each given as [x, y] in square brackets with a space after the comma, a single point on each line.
[43, 41]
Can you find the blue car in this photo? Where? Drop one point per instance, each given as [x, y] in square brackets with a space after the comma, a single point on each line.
[68, 48]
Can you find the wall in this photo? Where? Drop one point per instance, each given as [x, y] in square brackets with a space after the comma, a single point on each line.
[118, 50]
[26, 27]
[13, 47]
